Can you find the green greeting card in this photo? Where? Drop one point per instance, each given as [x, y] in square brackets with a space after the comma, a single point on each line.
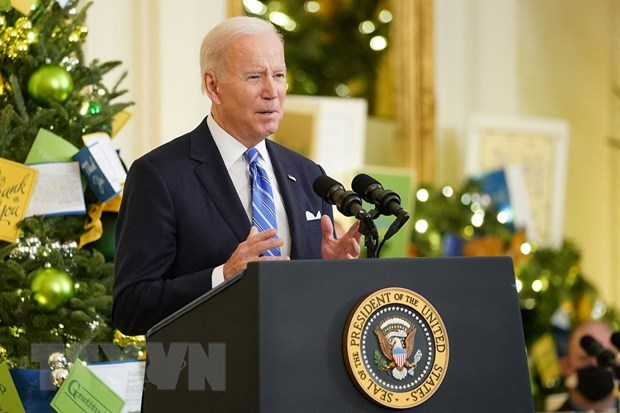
[49, 147]
[83, 391]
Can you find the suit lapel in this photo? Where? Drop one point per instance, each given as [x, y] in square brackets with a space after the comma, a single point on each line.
[216, 181]
[292, 195]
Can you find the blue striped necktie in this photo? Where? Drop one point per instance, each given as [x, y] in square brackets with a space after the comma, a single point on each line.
[263, 205]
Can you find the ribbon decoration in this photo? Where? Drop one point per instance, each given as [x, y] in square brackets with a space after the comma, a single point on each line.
[94, 227]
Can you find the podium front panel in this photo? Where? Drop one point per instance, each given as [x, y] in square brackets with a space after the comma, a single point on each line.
[283, 325]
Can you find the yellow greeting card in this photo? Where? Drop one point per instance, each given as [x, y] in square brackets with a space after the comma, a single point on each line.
[23, 6]
[16, 186]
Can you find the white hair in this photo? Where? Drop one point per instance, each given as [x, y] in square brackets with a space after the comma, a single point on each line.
[217, 40]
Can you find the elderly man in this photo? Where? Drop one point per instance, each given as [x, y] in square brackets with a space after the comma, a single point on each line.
[196, 210]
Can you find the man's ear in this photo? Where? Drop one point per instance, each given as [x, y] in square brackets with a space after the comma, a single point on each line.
[211, 87]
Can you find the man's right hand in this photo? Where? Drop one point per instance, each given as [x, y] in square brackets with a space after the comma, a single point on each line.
[251, 249]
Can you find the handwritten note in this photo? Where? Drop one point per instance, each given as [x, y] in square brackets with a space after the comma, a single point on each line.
[16, 185]
[126, 379]
[58, 190]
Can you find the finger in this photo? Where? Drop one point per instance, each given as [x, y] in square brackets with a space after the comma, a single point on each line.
[253, 231]
[260, 247]
[356, 249]
[327, 228]
[354, 230]
[256, 236]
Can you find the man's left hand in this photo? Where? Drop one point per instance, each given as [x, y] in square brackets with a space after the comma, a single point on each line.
[345, 247]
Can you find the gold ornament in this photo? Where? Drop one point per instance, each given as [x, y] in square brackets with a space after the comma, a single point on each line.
[123, 341]
[23, 24]
[74, 37]
[15, 41]
[4, 358]
[59, 376]
[59, 366]
[16, 331]
[57, 361]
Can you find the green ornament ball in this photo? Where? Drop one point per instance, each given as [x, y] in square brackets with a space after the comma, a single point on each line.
[51, 288]
[50, 83]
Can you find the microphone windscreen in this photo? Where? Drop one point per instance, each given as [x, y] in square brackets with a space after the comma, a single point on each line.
[322, 185]
[361, 182]
[590, 345]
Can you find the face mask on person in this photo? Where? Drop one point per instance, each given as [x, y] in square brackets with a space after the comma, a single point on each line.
[595, 383]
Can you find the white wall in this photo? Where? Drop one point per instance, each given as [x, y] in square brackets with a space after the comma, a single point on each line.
[158, 42]
[476, 64]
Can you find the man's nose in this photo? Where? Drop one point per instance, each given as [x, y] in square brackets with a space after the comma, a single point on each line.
[270, 90]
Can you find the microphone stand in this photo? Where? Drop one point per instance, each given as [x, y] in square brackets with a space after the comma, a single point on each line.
[371, 235]
[369, 230]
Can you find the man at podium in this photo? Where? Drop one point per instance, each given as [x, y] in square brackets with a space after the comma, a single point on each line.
[196, 210]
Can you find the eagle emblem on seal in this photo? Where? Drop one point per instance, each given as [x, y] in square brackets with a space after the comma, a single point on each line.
[396, 339]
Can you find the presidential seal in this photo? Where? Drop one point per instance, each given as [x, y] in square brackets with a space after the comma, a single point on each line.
[396, 348]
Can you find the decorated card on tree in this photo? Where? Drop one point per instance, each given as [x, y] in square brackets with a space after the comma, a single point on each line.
[16, 185]
[101, 166]
[58, 190]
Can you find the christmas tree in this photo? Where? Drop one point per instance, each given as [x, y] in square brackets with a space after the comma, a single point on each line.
[55, 286]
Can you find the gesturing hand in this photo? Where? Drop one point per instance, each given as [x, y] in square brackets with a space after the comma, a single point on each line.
[345, 247]
[251, 249]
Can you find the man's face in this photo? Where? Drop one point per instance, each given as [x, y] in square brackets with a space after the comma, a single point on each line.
[248, 95]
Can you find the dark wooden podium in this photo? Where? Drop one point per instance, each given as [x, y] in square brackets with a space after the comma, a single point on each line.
[272, 338]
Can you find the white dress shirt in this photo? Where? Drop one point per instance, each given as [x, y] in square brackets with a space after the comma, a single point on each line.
[232, 152]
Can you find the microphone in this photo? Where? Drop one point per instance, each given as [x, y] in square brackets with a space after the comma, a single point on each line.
[386, 201]
[604, 357]
[348, 202]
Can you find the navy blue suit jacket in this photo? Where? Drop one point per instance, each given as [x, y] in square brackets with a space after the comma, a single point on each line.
[181, 217]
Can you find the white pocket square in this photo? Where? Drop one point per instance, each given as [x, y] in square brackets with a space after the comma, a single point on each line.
[311, 217]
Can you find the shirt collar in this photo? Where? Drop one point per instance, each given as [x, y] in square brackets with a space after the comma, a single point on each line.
[230, 148]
